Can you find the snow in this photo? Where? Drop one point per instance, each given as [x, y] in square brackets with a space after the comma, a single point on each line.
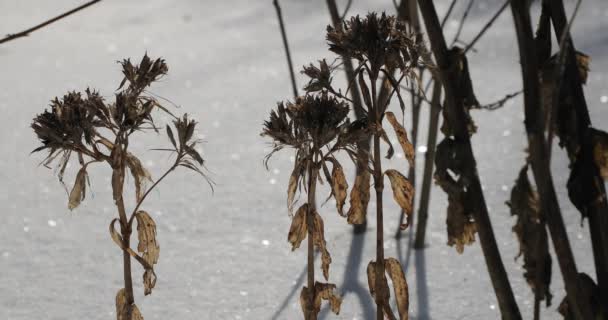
[227, 69]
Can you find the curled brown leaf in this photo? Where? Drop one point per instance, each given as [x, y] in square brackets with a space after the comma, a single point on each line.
[298, 229]
[395, 272]
[319, 241]
[124, 311]
[406, 145]
[403, 191]
[339, 186]
[78, 191]
[146, 234]
[140, 175]
[359, 198]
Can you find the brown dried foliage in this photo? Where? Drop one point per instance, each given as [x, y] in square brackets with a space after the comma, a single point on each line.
[95, 131]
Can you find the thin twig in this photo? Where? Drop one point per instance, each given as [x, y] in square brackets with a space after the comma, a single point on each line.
[448, 13]
[486, 27]
[25, 33]
[465, 15]
[286, 45]
[500, 103]
[350, 2]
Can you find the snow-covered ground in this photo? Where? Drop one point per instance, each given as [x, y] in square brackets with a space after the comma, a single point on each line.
[225, 255]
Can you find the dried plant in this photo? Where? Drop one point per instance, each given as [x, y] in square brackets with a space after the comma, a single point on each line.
[378, 43]
[86, 126]
[317, 127]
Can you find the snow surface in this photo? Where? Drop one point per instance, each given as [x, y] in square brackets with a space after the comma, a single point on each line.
[225, 255]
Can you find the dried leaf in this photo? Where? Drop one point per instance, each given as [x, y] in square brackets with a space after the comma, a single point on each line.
[359, 198]
[293, 187]
[384, 296]
[582, 61]
[532, 236]
[149, 281]
[461, 227]
[124, 311]
[146, 233]
[406, 145]
[171, 137]
[325, 291]
[298, 229]
[395, 272]
[140, 175]
[319, 242]
[339, 186]
[78, 191]
[403, 191]
[600, 152]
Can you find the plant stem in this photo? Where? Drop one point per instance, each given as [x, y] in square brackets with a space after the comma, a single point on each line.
[379, 185]
[429, 157]
[457, 118]
[310, 222]
[597, 211]
[286, 45]
[118, 180]
[26, 33]
[534, 123]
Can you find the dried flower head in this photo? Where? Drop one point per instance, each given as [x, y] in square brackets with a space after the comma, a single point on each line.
[380, 40]
[310, 119]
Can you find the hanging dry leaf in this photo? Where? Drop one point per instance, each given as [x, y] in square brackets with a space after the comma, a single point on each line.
[149, 281]
[125, 311]
[583, 60]
[532, 236]
[359, 199]
[339, 186]
[406, 145]
[292, 187]
[78, 191]
[461, 226]
[385, 295]
[395, 272]
[323, 291]
[600, 151]
[140, 175]
[403, 191]
[319, 241]
[146, 233]
[298, 229]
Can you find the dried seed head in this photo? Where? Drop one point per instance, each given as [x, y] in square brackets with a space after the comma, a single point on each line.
[381, 40]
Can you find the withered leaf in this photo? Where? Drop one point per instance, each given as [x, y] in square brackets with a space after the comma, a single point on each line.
[600, 152]
[359, 198]
[461, 226]
[149, 281]
[293, 186]
[532, 236]
[403, 191]
[322, 291]
[406, 145]
[140, 175]
[395, 272]
[382, 297]
[298, 229]
[124, 311]
[78, 191]
[146, 234]
[325, 291]
[319, 241]
[582, 61]
[339, 186]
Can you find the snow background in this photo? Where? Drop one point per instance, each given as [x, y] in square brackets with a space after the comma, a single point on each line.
[225, 255]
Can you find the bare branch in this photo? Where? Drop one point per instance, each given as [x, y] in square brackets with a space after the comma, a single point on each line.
[465, 15]
[286, 45]
[486, 27]
[27, 32]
